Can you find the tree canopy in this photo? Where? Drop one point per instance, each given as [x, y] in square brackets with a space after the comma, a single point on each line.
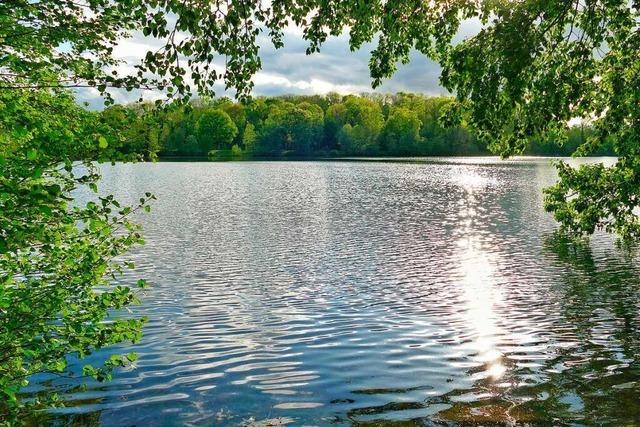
[215, 130]
[401, 132]
[532, 67]
[317, 126]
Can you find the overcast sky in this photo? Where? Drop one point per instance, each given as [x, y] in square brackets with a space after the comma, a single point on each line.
[290, 71]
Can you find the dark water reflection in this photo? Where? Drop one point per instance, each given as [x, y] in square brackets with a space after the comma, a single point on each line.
[340, 293]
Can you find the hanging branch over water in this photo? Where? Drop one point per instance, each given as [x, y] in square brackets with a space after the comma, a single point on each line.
[532, 67]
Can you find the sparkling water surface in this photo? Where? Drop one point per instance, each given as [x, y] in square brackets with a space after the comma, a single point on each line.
[425, 292]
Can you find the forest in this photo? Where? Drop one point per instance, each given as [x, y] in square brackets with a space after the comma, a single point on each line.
[312, 126]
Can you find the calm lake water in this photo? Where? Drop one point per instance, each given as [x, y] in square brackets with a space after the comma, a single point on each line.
[342, 293]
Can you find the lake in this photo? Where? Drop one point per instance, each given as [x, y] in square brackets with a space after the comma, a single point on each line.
[429, 292]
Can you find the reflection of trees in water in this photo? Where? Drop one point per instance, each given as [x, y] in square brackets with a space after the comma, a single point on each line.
[591, 373]
[582, 367]
[89, 419]
[595, 380]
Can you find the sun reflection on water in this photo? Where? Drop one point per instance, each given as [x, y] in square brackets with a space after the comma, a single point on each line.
[477, 269]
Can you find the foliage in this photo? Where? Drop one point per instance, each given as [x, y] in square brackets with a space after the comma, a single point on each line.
[401, 132]
[334, 120]
[290, 127]
[594, 196]
[249, 138]
[531, 68]
[236, 152]
[365, 121]
[58, 258]
[215, 130]
[138, 129]
[238, 114]
[391, 125]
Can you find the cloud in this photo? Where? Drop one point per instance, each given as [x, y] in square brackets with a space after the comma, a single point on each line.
[277, 84]
[337, 69]
[290, 71]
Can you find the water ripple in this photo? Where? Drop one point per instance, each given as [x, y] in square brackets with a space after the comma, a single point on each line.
[429, 293]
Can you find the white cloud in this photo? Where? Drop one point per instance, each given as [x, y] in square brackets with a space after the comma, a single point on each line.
[268, 82]
[290, 71]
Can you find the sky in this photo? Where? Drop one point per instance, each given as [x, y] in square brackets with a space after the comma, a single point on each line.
[289, 70]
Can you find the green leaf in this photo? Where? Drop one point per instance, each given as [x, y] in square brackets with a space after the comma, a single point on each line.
[32, 154]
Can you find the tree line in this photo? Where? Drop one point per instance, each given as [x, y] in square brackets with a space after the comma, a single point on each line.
[318, 126]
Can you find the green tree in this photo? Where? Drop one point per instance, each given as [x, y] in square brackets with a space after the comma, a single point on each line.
[346, 139]
[176, 124]
[249, 138]
[365, 119]
[56, 254]
[236, 152]
[334, 120]
[215, 130]
[311, 132]
[191, 146]
[292, 128]
[401, 132]
[238, 114]
[140, 131]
